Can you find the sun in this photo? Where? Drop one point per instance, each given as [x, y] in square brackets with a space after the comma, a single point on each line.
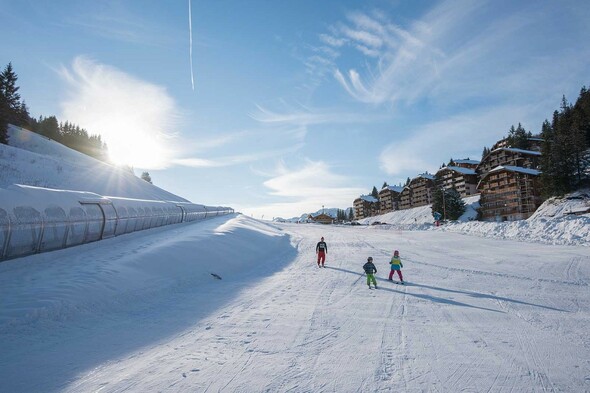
[137, 150]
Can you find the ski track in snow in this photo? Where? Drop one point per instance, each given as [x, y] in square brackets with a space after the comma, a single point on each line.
[476, 316]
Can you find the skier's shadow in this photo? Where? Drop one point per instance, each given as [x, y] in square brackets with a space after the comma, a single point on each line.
[448, 301]
[487, 296]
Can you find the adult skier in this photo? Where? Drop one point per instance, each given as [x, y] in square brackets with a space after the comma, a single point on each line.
[321, 249]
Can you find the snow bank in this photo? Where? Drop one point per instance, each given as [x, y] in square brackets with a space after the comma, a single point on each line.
[557, 221]
[136, 267]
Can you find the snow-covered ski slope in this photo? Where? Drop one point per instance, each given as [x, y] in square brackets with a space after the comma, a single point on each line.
[142, 313]
[34, 160]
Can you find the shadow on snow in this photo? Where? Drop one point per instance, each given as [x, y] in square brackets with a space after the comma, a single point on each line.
[437, 299]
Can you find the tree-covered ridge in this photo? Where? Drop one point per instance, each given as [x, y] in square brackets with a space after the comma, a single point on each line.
[70, 135]
[565, 162]
[13, 110]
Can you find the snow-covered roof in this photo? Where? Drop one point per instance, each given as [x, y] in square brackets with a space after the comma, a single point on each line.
[518, 169]
[426, 176]
[368, 198]
[465, 171]
[393, 188]
[513, 149]
[466, 161]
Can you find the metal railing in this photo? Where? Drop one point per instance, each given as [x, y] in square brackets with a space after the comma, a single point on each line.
[34, 219]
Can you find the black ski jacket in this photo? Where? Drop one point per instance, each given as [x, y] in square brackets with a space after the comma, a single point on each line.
[321, 247]
[369, 268]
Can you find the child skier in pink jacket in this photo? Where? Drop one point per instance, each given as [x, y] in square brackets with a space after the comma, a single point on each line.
[396, 266]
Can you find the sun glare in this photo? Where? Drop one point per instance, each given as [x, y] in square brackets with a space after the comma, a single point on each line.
[133, 117]
[137, 150]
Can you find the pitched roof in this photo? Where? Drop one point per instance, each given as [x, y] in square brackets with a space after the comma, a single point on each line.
[513, 149]
[466, 161]
[426, 176]
[369, 198]
[518, 169]
[393, 188]
[465, 171]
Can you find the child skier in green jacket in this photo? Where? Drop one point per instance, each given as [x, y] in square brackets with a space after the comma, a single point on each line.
[370, 269]
[396, 266]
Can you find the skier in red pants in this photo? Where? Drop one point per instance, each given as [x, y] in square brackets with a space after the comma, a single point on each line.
[321, 249]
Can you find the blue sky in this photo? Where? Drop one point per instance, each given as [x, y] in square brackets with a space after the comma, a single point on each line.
[294, 105]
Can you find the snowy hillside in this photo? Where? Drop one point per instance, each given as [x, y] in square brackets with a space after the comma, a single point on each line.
[553, 223]
[32, 159]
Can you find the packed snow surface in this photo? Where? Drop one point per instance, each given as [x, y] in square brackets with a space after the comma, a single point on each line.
[233, 304]
[144, 312]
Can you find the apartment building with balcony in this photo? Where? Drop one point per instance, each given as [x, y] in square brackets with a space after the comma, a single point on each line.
[508, 156]
[462, 179]
[365, 206]
[509, 182]
[509, 193]
[418, 192]
[389, 198]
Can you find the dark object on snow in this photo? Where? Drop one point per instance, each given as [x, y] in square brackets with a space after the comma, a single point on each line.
[216, 276]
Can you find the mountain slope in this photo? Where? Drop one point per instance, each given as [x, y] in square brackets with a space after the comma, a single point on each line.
[32, 159]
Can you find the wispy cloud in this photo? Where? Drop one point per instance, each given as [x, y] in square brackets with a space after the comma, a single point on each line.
[306, 189]
[114, 22]
[136, 119]
[457, 52]
[460, 136]
[303, 116]
[226, 161]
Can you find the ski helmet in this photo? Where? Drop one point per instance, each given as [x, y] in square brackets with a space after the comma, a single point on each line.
[370, 259]
[396, 252]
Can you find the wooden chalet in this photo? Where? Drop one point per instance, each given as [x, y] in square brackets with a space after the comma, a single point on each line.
[365, 206]
[509, 193]
[508, 156]
[322, 218]
[462, 179]
[405, 198]
[389, 198]
[418, 192]
[466, 163]
[509, 182]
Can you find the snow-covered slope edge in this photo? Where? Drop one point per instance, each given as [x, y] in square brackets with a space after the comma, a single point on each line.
[139, 268]
[552, 223]
[34, 160]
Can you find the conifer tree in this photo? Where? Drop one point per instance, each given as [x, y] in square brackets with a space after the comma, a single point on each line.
[12, 110]
[448, 203]
[375, 193]
[519, 138]
[4, 114]
[455, 205]
[48, 127]
[146, 176]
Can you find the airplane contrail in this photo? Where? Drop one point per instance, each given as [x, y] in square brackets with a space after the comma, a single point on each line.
[190, 30]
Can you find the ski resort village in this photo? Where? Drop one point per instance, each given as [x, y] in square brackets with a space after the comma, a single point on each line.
[297, 196]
